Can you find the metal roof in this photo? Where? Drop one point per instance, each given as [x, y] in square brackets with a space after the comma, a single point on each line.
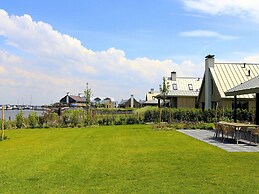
[249, 87]
[182, 93]
[151, 102]
[184, 82]
[229, 75]
[186, 86]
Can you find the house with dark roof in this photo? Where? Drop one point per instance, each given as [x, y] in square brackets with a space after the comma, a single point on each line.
[130, 103]
[182, 91]
[73, 100]
[221, 77]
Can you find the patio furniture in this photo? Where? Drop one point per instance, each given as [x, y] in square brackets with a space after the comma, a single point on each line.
[254, 132]
[244, 131]
[226, 131]
[218, 129]
[237, 127]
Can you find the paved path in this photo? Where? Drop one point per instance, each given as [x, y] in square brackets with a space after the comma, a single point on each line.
[228, 145]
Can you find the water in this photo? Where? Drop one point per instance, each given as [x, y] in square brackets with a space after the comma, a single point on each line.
[10, 114]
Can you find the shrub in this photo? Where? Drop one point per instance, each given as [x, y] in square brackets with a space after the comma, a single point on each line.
[20, 120]
[132, 120]
[33, 120]
[49, 119]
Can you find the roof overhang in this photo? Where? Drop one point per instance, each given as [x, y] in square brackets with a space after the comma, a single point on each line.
[249, 87]
[241, 92]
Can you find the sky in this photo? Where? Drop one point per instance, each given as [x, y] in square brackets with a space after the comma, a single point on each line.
[49, 48]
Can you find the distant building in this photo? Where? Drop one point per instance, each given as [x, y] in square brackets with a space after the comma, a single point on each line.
[130, 103]
[182, 91]
[151, 99]
[219, 78]
[96, 102]
[73, 100]
[107, 103]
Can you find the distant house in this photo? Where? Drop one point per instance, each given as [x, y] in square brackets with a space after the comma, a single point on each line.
[96, 102]
[73, 100]
[221, 77]
[182, 91]
[151, 99]
[130, 103]
[107, 103]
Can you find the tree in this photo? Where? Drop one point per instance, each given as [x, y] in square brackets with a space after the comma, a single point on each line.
[164, 90]
[88, 95]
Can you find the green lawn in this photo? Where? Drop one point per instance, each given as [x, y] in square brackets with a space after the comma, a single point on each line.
[121, 159]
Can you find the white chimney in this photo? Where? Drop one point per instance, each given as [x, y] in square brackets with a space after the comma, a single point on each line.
[173, 76]
[80, 95]
[131, 101]
[67, 98]
[152, 91]
[209, 63]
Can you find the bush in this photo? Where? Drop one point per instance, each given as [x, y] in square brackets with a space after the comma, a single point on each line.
[33, 120]
[132, 120]
[49, 119]
[20, 120]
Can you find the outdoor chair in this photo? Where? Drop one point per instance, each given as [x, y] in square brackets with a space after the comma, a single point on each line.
[226, 131]
[254, 132]
[244, 131]
[218, 129]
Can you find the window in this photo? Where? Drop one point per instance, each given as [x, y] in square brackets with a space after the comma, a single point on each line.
[190, 86]
[243, 105]
[174, 87]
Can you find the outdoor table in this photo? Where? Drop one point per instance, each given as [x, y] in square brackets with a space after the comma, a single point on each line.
[238, 126]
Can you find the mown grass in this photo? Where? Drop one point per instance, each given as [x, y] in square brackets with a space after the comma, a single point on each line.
[121, 159]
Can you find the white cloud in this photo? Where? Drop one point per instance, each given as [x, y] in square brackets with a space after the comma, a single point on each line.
[206, 33]
[252, 58]
[242, 8]
[51, 63]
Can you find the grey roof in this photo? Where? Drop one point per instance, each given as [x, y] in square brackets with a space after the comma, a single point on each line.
[249, 87]
[229, 75]
[184, 82]
[151, 102]
[122, 102]
[177, 93]
[186, 87]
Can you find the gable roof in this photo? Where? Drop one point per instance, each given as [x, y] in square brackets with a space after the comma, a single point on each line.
[251, 86]
[229, 75]
[186, 86]
[78, 98]
[122, 102]
[183, 83]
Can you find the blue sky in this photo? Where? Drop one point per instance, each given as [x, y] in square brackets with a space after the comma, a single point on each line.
[119, 47]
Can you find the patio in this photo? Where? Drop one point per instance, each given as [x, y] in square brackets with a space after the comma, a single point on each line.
[229, 145]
